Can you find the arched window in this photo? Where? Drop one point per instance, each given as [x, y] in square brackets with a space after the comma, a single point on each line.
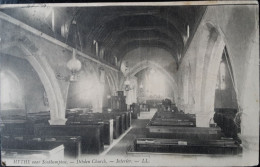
[225, 94]
[186, 85]
[11, 91]
[222, 75]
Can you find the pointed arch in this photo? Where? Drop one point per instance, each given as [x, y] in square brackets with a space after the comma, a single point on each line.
[145, 64]
[47, 77]
[207, 70]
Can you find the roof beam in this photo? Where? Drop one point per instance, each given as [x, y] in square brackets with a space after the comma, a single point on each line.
[40, 34]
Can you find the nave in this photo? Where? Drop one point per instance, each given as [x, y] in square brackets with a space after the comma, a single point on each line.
[152, 85]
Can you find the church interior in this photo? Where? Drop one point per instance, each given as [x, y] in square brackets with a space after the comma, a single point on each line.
[179, 82]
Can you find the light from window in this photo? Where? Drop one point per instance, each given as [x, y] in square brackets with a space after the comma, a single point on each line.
[155, 84]
[5, 89]
[11, 92]
[222, 76]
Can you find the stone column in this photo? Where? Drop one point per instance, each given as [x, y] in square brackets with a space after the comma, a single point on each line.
[250, 107]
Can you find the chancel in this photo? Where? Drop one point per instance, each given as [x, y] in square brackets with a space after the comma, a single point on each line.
[178, 83]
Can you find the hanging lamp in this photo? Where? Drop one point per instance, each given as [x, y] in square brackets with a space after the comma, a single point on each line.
[74, 65]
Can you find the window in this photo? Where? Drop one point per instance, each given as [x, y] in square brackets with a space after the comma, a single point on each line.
[222, 70]
[221, 82]
[5, 89]
[11, 92]
[186, 87]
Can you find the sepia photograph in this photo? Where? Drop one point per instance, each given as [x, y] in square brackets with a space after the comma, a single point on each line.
[129, 84]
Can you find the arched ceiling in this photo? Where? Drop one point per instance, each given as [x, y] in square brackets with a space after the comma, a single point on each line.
[121, 29]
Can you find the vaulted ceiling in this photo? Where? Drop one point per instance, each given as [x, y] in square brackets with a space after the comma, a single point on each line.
[120, 29]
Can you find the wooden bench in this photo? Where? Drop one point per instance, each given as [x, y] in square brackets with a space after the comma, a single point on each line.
[174, 116]
[72, 144]
[222, 146]
[121, 121]
[90, 120]
[117, 121]
[116, 124]
[169, 122]
[172, 132]
[91, 135]
[127, 119]
[32, 150]
[167, 114]
[124, 119]
[17, 127]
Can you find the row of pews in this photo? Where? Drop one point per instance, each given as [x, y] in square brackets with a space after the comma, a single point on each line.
[84, 133]
[176, 132]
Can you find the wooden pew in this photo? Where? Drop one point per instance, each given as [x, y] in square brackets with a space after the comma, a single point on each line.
[91, 119]
[121, 122]
[177, 115]
[72, 144]
[39, 118]
[169, 122]
[172, 132]
[17, 127]
[117, 121]
[116, 124]
[173, 119]
[128, 119]
[221, 146]
[91, 135]
[32, 150]
[124, 120]
[25, 126]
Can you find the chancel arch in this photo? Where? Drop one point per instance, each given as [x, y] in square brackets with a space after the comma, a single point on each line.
[150, 64]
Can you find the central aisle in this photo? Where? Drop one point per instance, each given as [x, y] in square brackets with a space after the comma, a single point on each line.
[138, 130]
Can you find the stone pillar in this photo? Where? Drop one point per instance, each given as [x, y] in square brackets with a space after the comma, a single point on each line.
[249, 104]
